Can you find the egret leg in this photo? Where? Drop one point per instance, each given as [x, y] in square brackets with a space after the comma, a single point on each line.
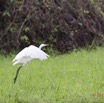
[17, 73]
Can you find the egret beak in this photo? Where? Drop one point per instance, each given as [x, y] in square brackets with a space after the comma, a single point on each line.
[46, 44]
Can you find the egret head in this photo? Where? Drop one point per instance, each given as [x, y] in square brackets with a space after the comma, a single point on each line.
[43, 45]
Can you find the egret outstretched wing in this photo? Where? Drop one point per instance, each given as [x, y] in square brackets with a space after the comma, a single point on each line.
[21, 54]
[29, 53]
[35, 52]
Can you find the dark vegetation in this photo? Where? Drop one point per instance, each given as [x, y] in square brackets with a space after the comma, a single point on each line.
[64, 24]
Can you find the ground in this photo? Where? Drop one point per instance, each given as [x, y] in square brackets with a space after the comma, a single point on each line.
[77, 77]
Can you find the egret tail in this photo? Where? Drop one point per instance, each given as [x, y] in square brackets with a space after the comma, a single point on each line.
[17, 73]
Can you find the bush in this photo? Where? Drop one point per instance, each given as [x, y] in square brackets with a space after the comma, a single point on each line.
[64, 24]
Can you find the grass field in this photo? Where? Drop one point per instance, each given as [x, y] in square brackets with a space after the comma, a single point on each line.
[70, 78]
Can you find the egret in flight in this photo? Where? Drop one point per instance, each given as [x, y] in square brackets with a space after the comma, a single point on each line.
[27, 54]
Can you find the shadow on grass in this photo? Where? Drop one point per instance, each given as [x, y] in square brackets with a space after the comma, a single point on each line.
[26, 101]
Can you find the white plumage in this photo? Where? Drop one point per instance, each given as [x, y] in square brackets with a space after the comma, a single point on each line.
[29, 53]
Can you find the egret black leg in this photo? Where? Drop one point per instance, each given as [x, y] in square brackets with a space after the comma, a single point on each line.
[17, 73]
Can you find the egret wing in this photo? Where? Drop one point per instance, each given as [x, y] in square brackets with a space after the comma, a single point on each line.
[35, 52]
[29, 53]
[21, 54]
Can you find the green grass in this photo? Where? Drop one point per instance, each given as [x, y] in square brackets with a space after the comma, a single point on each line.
[71, 78]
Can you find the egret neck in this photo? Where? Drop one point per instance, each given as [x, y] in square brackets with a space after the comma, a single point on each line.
[42, 45]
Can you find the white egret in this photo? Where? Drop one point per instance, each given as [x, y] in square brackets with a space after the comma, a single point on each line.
[27, 54]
